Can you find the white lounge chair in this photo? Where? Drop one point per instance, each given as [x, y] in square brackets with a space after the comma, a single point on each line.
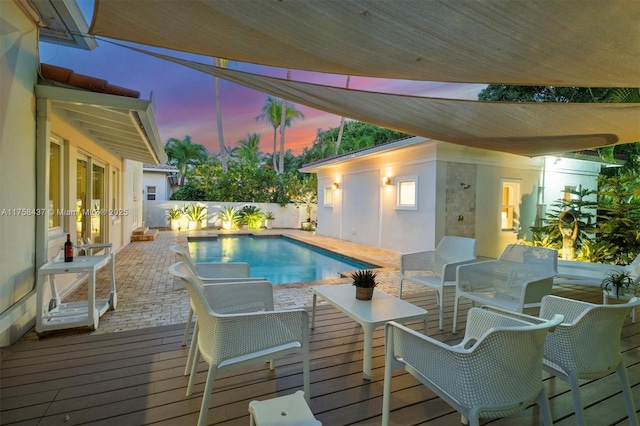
[229, 341]
[587, 346]
[519, 278]
[494, 372]
[211, 273]
[437, 268]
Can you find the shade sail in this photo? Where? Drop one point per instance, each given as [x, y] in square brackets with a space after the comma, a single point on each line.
[544, 42]
[529, 129]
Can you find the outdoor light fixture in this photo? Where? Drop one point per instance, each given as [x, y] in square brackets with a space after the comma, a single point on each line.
[465, 185]
[386, 181]
[336, 185]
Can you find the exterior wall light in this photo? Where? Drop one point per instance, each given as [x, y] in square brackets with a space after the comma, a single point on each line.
[386, 181]
[336, 185]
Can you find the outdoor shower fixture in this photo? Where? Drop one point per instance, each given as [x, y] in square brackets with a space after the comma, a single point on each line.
[465, 185]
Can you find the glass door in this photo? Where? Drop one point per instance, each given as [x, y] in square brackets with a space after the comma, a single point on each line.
[82, 204]
[98, 204]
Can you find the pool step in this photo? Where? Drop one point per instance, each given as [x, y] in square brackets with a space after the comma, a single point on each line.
[144, 234]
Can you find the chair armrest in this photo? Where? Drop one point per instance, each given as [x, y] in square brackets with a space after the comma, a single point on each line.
[95, 246]
[239, 296]
[534, 291]
[482, 320]
[207, 270]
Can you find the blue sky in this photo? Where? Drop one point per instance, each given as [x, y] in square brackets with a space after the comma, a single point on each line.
[184, 99]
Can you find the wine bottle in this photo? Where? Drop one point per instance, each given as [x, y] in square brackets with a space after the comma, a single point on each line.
[68, 249]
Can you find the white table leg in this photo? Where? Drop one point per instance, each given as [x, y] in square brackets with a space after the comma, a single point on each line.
[113, 296]
[368, 348]
[313, 312]
[92, 312]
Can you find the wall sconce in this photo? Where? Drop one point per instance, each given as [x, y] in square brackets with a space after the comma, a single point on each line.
[386, 181]
[336, 185]
[465, 185]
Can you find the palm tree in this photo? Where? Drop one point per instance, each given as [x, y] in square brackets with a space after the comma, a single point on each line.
[249, 150]
[272, 114]
[216, 85]
[183, 154]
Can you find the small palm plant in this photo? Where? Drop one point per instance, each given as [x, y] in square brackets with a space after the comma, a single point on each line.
[251, 216]
[365, 282]
[196, 214]
[229, 217]
[617, 280]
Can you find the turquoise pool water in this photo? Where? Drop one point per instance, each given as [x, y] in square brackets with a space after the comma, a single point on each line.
[279, 259]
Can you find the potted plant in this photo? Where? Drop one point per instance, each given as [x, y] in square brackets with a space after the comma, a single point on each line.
[251, 217]
[269, 218]
[173, 216]
[229, 217]
[196, 214]
[365, 282]
[620, 281]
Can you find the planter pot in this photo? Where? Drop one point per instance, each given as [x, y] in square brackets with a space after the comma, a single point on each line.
[174, 224]
[226, 225]
[308, 226]
[364, 293]
[268, 223]
[194, 225]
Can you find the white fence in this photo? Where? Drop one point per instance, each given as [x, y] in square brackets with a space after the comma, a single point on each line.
[285, 217]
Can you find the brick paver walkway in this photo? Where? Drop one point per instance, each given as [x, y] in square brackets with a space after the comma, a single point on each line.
[148, 296]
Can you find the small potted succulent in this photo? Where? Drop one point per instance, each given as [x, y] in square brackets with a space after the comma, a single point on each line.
[269, 218]
[620, 282]
[173, 216]
[365, 282]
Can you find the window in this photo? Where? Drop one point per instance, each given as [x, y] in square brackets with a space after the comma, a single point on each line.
[510, 212]
[328, 197]
[55, 185]
[407, 193]
[151, 193]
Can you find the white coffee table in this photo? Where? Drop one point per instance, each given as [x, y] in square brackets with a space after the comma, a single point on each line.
[370, 314]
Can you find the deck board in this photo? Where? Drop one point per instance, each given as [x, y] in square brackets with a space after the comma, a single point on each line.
[136, 378]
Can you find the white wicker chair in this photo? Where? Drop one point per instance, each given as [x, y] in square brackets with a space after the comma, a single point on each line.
[437, 268]
[211, 273]
[587, 346]
[494, 372]
[229, 341]
[519, 278]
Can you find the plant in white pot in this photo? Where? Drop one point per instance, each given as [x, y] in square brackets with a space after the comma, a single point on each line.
[619, 283]
[173, 216]
[269, 218]
[228, 215]
[196, 214]
[365, 282]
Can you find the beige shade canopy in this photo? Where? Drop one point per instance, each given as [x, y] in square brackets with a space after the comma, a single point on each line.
[545, 42]
[529, 129]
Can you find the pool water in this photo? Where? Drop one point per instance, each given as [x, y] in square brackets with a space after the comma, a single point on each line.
[281, 260]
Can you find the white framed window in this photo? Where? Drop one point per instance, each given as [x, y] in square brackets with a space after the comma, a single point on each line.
[151, 193]
[510, 211]
[56, 185]
[328, 197]
[407, 193]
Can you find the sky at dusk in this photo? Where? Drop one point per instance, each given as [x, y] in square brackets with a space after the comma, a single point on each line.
[184, 100]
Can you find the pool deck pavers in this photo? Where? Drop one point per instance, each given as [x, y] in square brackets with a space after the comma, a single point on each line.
[148, 296]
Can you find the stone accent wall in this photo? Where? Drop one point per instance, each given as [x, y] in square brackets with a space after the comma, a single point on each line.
[460, 206]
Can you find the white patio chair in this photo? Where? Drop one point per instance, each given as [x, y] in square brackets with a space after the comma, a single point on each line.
[229, 341]
[211, 273]
[587, 346]
[494, 372]
[437, 268]
[519, 278]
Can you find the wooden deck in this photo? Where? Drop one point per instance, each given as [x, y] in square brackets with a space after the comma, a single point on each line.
[135, 378]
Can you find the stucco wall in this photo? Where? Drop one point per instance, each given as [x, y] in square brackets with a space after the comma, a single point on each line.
[17, 164]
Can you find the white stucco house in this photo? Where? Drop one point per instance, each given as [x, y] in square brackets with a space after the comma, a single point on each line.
[68, 142]
[407, 194]
[159, 181]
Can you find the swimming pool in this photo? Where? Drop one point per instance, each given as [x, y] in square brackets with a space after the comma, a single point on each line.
[279, 259]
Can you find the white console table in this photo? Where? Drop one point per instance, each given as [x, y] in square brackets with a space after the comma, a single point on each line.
[55, 314]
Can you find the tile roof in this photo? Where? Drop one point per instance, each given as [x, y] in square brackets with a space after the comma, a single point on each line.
[93, 84]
